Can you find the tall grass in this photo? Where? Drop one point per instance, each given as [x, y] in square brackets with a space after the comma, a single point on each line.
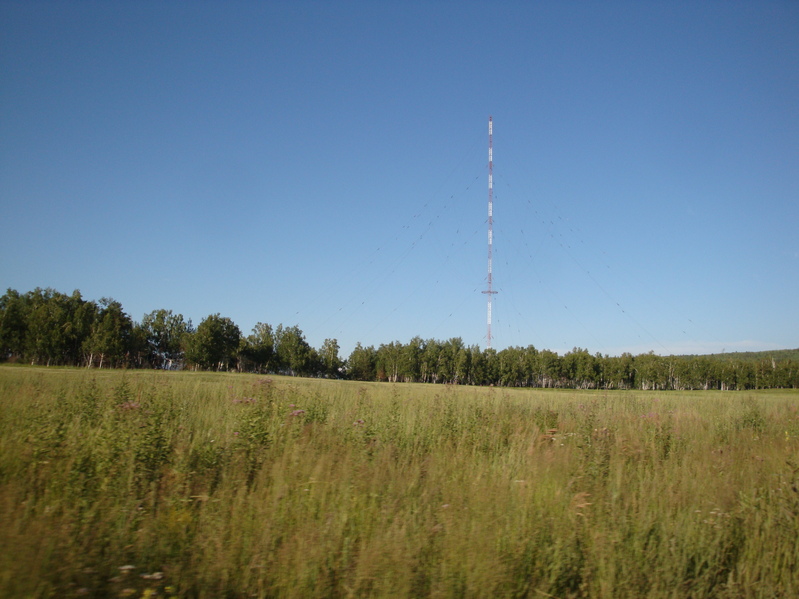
[153, 484]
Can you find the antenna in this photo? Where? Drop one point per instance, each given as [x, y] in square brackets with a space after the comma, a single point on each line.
[489, 292]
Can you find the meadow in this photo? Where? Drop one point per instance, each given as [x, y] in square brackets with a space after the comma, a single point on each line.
[189, 484]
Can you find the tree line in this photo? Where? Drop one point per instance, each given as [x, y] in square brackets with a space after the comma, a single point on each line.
[47, 327]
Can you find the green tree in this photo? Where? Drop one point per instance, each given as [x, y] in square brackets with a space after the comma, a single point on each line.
[580, 368]
[50, 336]
[530, 366]
[389, 358]
[13, 325]
[651, 371]
[550, 369]
[45, 326]
[410, 360]
[511, 366]
[447, 364]
[619, 371]
[109, 342]
[164, 332]
[477, 366]
[361, 365]
[139, 348]
[214, 344]
[294, 354]
[331, 362]
[491, 366]
[82, 316]
[431, 354]
[463, 365]
[259, 348]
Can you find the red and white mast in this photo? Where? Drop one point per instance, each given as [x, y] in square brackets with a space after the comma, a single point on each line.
[490, 291]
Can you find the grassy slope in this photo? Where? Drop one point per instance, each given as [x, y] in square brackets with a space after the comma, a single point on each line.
[778, 354]
[146, 484]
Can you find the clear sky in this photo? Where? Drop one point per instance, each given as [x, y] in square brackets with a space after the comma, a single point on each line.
[325, 164]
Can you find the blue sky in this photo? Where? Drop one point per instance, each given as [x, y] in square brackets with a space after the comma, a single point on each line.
[325, 164]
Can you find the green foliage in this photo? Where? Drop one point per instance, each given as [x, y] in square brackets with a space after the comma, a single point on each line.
[215, 343]
[110, 336]
[259, 348]
[330, 360]
[361, 365]
[295, 356]
[47, 327]
[165, 335]
[778, 355]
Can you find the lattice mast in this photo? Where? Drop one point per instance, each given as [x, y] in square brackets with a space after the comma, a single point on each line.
[490, 291]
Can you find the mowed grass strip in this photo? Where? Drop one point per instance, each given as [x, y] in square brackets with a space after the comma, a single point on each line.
[164, 484]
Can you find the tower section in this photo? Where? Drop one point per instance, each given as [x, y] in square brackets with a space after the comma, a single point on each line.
[490, 290]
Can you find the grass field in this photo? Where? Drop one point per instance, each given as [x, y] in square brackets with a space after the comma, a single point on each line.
[157, 484]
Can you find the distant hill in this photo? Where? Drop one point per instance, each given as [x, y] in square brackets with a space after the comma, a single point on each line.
[778, 355]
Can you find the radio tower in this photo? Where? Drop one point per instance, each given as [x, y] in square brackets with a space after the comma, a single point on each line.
[489, 292]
